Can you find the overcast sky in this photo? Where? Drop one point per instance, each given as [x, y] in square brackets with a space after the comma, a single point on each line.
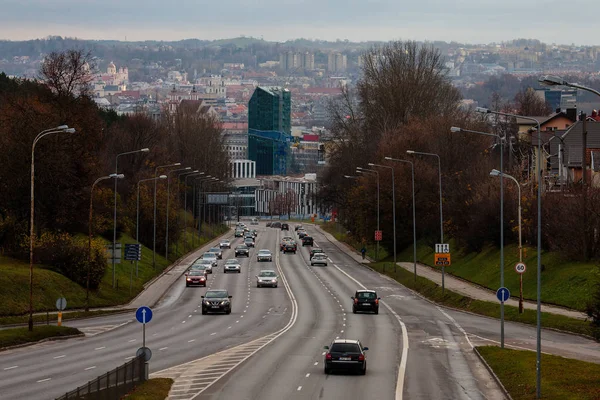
[468, 21]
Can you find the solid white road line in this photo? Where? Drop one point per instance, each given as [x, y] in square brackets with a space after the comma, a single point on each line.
[57, 357]
[404, 357]
[13, 367]
[88, 368]
[44, 380]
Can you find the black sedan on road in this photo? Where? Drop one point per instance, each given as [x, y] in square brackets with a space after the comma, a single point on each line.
[365, 300]
[307, 241]
[346, 354]
[242, 250]
[216, 300]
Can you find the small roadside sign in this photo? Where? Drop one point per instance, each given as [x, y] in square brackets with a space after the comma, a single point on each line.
[133, 252]
[143, 315]
[442, 259]
[378, 236]
[520, 267]
[145, 351]
[442, 248]
[503, 294]
[61, 304]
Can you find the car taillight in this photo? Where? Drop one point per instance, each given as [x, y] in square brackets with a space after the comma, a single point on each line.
[328, 356]
[361, 358]
[355, 301]
[376, 301]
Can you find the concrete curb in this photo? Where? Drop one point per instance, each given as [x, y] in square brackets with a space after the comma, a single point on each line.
[491, 371]
[111, 312]
[50, 339]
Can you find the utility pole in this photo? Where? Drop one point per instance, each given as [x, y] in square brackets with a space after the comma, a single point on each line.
[584, 183]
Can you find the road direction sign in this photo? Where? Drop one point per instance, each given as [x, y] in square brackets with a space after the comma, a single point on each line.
[133, 252]
[145, 351]
[143, 315]
[442, 259]
[503, 294]
[442, 248]
[61, 304]
[378, 236]
[520, 267]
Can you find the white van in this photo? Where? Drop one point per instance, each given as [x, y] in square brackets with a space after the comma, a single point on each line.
[254, 221]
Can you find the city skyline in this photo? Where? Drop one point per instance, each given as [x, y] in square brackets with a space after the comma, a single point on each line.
[466, 22]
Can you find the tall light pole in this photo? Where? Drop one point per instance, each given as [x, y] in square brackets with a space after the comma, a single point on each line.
[500, 139]
[179, 203]
[185, 208]
[393, 203]
[114, 243]
[58, 129]
[372, 171]
[495, 172]
[154, 220]
[552, 80]
[137, 223]
[202, 179]
[90, 231]
[168, 203]
[441, 208]
[414, 204]
[539, 247]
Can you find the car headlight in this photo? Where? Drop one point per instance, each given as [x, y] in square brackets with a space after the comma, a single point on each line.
[224, 302]
[188, 279]
[206, 302]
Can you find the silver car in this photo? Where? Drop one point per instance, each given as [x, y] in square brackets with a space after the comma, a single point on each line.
[266, 277]
[232, 265]
[207, 264]
[212, 257]
[319, 258]
[225, 244]
[249, 242]
[217, 251]
[264, 255]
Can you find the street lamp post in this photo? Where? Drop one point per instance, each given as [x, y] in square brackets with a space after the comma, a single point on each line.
[87, 284]
[495, 172]
[441, 212]
[393, 204]
[500, 139]
[372, 171]
[202, 213]
[168, 203]
[58, 129]
[539, 248]
[154, 220]
[412, 167]
[137, 223]
[114, 243]
[179, 204]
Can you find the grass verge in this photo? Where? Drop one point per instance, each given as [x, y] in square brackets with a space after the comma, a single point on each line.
[339, 232]
[52, 317]
[433, 291]
[152, 389]
[562, 378]
[565, 283]
[16, 336]
[49, 285]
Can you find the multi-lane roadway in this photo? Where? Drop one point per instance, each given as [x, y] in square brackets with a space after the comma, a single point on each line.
[271, 345]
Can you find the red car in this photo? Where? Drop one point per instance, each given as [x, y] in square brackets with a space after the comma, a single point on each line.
[195, 277]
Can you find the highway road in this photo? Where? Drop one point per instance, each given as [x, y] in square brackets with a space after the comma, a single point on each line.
[271, 346]
[178, 333]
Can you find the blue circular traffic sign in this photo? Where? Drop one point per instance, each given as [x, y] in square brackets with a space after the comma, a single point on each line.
[143, 315]
[503, 294]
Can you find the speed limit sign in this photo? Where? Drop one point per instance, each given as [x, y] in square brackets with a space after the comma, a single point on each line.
[520, 267]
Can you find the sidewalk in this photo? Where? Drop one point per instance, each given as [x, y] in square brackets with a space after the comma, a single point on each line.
[457, 285]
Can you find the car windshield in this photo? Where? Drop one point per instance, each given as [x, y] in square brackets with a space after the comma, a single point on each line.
[198, 267]
[267, 274]
[248, 240]
[345, 348]
[215, 294]
[241, 248]
[231, 262]
[196, 273]
[203, 262]
[366, 295]
[264, 252]
[210, 255]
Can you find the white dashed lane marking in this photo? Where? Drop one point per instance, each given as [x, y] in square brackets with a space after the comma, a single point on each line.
[13, 367]
[100, 348]
[44, 380]
[57, 357]
[88, 368]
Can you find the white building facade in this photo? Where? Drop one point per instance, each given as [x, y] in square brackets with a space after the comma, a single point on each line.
[243, 169]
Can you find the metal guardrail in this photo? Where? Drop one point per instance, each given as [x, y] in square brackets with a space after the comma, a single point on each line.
[112, 385]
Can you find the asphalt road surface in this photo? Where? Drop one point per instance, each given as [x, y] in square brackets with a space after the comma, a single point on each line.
[271, 346]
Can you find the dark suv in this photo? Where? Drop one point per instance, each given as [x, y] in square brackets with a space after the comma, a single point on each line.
[346, 354]
[285, 227]
[289, 247]
[242, 250]
[365, 300]
[216, 300]
[307, 241]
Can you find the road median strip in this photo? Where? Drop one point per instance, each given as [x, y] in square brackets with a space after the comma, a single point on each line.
[152, 389]
[15, 337]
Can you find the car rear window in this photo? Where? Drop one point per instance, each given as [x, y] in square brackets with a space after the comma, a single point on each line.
[345, 348]
[367, 295]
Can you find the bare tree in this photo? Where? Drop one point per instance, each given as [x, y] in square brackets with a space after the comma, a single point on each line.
[68, 73]
[527, 102]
